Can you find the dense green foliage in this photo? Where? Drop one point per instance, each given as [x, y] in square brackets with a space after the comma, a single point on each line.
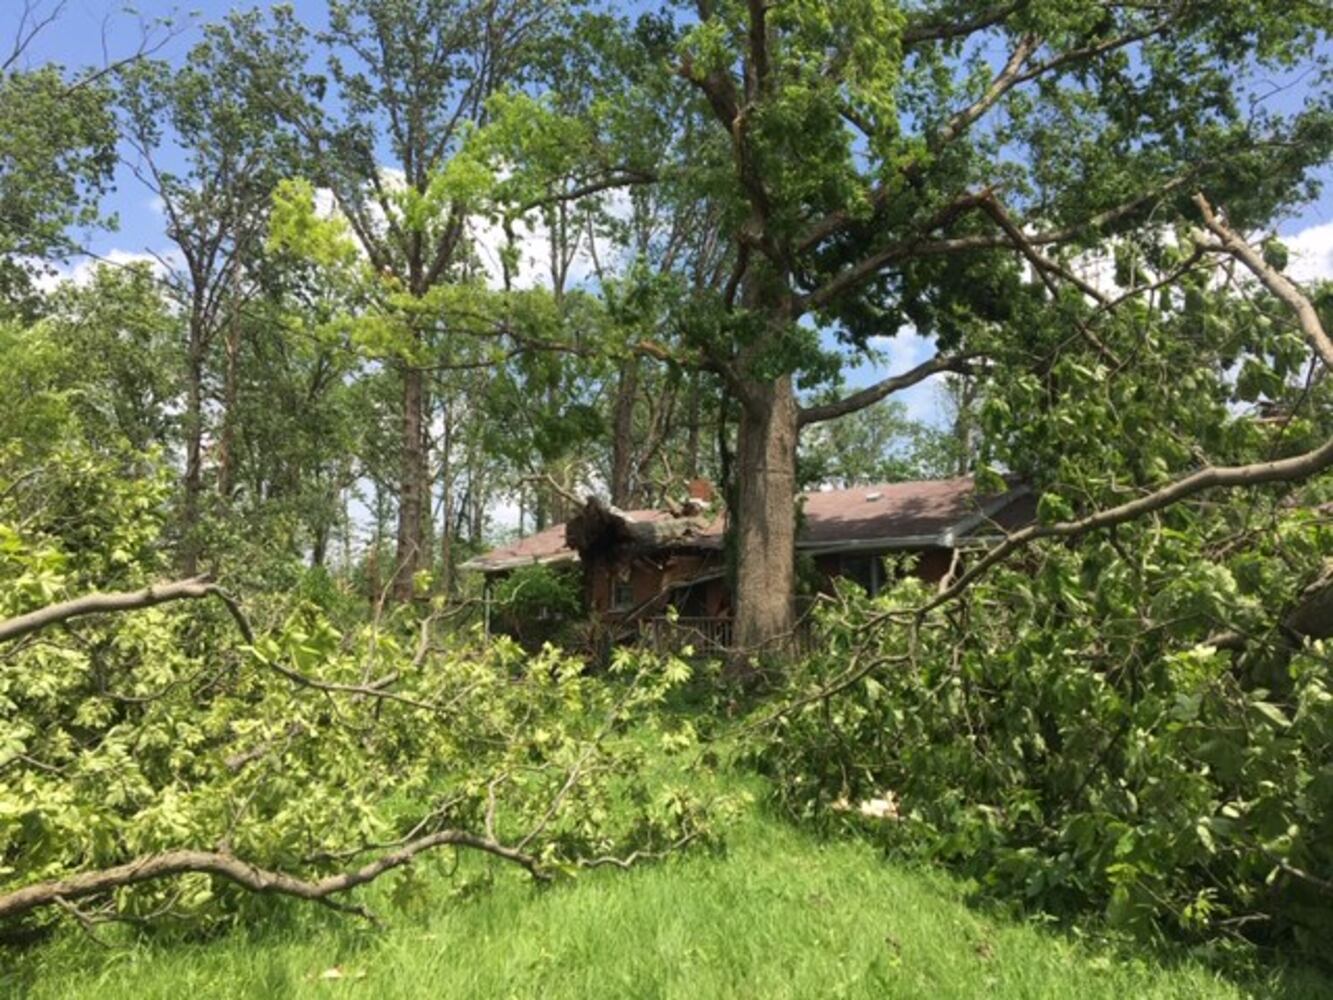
[1072, 735]
[1138, 721]
[539, 604]
[57, 152]
[162, 729]
[1135, 722]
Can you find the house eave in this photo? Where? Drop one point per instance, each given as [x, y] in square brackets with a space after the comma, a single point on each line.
[897, 543]
[902, 543]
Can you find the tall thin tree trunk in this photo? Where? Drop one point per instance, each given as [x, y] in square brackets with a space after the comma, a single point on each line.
[374, 580]
[193, 483]
[446, 503]
[346, 529]
[766, 516]
[412, 486]
[478, 521]
[622, 430]
[231, 343]
[963, 429]
[692, 430]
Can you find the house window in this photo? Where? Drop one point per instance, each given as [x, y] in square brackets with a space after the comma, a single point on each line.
[622, 596]
[863, 570]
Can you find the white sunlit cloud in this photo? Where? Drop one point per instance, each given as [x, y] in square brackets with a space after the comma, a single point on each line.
[898, 354]
[81, 273]
[534, 249]
[1311, 252]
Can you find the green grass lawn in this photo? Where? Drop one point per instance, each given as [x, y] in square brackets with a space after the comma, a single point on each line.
[781, 914]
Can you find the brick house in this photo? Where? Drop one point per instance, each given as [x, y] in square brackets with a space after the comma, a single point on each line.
[635, 564]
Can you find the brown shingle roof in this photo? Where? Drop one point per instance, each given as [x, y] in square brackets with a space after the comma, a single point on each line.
[544, 547]
[904, 515]
[911, 513]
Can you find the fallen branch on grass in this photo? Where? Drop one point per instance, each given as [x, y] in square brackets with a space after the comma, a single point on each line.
[634, 857]
[168, 864]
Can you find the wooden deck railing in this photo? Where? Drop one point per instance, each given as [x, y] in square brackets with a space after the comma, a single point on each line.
[707, 636]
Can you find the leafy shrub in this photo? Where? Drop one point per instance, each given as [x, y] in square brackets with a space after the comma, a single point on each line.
[540, 604]
[1069, 735]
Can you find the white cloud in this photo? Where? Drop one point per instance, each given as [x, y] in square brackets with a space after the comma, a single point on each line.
[1311, 253]
[534, 250]
[82, 272]
[898, 354]
[488, 239]
[905, 349]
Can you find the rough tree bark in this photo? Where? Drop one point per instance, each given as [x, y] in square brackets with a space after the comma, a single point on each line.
[412, 487]
[765, 516]
[192, 484]
[622, 432]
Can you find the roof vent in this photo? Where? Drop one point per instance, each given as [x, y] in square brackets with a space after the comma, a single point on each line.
[872, 497]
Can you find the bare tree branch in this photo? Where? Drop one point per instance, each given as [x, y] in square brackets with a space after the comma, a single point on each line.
[881, 390]
[260, 880]
[631, 859]
[194, 589]
[1212, 477]
[32, 21]
[920, 31]
[1004, 81]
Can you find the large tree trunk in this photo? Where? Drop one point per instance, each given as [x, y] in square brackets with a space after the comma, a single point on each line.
[412, 486]
[766, 517]
[692, 424]
[622, 442]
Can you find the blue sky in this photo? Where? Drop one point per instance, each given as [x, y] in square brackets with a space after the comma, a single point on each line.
[91, 30]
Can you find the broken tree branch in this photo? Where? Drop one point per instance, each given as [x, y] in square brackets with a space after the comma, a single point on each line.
[923, 29]
[1274, 280]
[1293, 469]
[172, 863]
[1045, 267]
[197, 588]
[885, 388]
